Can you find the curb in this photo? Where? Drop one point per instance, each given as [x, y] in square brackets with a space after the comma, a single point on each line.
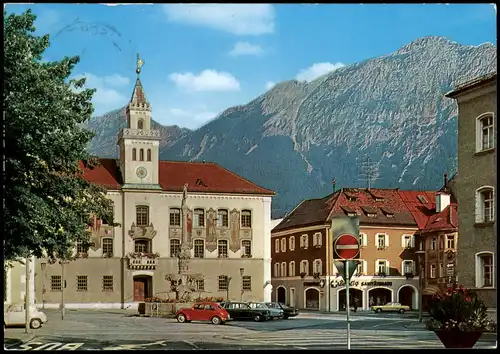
[26, 339]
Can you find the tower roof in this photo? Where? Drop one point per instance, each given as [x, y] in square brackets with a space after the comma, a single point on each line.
[138, 96]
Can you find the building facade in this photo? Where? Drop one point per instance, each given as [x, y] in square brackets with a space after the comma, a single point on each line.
[228, 223]
[14, 289]
[476, 185]
[304, 274]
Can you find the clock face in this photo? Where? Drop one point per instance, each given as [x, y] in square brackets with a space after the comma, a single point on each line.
[141, 172]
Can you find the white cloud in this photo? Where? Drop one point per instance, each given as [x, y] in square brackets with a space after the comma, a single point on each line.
[245, 48]
[107, 97]
[199, 116]
[270, 85]
[207, 80]
[239, 19]
[316, 70]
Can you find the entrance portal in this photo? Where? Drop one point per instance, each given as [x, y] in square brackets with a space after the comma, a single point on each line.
[312, 298]
[379, 296]
[143, 287]
[355, 297]
[281, 296]
[407, 297]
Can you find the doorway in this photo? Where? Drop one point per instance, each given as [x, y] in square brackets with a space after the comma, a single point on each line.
[408, 296]
[379, 296]
[312, 299]
[281, 294]
[143, 287]
[355, 297]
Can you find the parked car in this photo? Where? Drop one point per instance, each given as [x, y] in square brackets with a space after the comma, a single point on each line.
[391, 307]
[203, 311]
[275, 313]
[243, 311]
[15, 315]
[288, 311]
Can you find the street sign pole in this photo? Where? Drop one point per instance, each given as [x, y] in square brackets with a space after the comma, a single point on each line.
[347, 281]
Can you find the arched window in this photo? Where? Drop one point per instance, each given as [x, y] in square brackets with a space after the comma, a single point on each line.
[291, 270]
[283, 269]
[485, 200]
[485, 132]
[484, 270]
[149, 155]
[140, 124]
[276, 270]
[141, 155]
[134, 154]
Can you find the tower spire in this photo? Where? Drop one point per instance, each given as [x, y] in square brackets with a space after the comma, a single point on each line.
[140, 63]
[138, 97]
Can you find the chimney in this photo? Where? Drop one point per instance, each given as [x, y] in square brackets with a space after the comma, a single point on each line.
[442, 200]
[334, 183]
[445, 184]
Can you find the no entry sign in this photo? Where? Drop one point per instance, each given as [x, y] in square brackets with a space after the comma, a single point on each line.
[347, 246]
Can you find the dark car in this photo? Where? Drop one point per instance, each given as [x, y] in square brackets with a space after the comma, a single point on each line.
[287, 310]
[243, 311]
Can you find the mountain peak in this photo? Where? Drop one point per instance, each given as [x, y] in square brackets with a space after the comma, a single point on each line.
[425, 43]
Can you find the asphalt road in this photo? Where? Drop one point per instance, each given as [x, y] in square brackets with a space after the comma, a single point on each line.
[100, 330]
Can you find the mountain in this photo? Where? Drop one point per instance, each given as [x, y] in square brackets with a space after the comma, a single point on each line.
[107, 127]
[298, 136]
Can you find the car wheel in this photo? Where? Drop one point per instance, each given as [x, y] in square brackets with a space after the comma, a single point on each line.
[378, 310]
[257, 318]
[216, 320]
[35, 323]
[181, 318]
[286, 317]
[401, 311]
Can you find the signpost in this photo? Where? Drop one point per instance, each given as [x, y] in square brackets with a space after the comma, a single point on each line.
[346, 247]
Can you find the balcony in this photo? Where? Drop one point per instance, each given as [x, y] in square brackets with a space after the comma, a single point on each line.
[142, 261]
[139, 133]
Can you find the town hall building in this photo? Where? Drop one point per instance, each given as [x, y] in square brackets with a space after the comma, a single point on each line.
[224, 219]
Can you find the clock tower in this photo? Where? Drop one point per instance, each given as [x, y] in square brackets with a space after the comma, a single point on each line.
[139, 144]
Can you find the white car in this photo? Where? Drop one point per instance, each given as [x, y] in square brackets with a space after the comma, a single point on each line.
[14, 315]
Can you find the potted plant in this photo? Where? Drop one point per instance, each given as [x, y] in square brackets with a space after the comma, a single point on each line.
[458, 317]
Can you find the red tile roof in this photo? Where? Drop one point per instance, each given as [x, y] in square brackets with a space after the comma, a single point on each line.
[421, 209]
[201, 177]
[446, 220]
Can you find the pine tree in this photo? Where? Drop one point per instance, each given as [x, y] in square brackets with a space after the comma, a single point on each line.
[47, 204]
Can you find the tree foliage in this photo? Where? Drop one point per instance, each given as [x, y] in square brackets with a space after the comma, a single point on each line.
[47, 204]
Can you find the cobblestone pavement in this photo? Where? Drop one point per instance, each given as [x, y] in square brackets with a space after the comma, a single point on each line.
[91, 330]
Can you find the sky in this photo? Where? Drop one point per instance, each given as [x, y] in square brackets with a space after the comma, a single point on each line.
[200, 59]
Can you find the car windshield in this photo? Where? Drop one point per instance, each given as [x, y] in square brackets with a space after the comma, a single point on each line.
[259, 306]
[283, 305]
[273, 305]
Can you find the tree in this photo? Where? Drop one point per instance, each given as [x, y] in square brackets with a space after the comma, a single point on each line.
[47, 204]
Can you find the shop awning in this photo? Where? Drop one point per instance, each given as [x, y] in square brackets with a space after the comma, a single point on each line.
[431, 290]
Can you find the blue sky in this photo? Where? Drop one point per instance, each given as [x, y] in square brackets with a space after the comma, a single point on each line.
[203, 59]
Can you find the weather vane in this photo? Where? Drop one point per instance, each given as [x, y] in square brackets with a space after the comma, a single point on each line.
[140, 63]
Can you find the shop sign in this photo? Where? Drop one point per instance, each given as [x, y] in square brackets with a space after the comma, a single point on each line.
[337, 283]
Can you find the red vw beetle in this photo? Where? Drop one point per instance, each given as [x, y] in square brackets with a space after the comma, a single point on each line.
[203, 311]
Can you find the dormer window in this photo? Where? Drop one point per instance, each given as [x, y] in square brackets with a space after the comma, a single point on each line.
[199, 182]
[349, 211]
[422, 199]
[388, 212]
[140, 124]
[369, 211]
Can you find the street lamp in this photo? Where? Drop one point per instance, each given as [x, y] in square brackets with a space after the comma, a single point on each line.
[242, 271]
[227, 289]
[421, 264]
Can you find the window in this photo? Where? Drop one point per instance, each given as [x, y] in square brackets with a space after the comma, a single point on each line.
[317, 241]
[223, 282]
[81, 283]
[407, 241]
[141, 155]
[199, 249]
[80, 248]
[140, 124]
[283, 245]
[222, 218]
[276, 270]
[175, 247]
[484, 205]
[142, 215]
[200, 285]
[363, 240]
[247, 283]
[142, 246]
[134, 154]
[283, 269]
[304, 241]
[111, 210]
[382, 241]
[433, 244]
[246, 218]
[408, 267]
[441, 270]
[107, 246]
[360, 268]
[222, 248]
[317, 267]
[485, 132]
[277, 245]
[291, 269]
[246, 248]
[381, 267]
[175, 217]
[450, 241]
[433, 271]
[55, 283]
[291, 243]
[304, 267]
[484, 270]
[199, 217]
[149, 155]
[107, 283]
